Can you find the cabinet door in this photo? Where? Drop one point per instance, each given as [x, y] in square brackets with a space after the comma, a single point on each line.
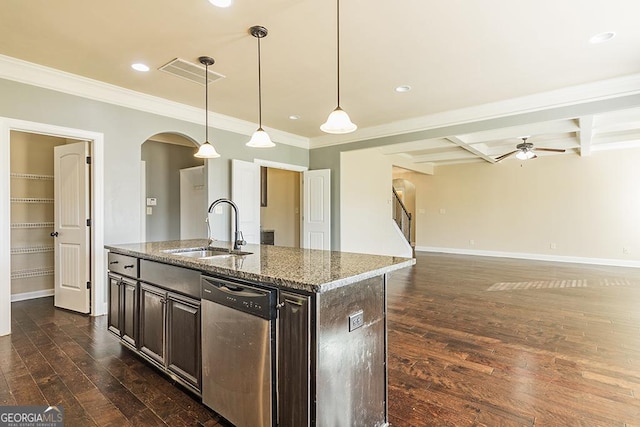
[129, 307]
[183, 338]
[113, 315]
[152, 322]
[293, 360]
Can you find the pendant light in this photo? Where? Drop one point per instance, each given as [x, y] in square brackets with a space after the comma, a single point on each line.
[259, 139]
[338, 121]
[206, 150]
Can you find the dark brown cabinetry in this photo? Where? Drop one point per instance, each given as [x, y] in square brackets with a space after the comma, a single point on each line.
[183, 338]
[123, 298]
[293, 362]
[152, 322]
[153, 309]
[170, 332]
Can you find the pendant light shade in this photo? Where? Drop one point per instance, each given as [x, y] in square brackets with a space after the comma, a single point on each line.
[206, 150]
[260, 138]
[338, 121]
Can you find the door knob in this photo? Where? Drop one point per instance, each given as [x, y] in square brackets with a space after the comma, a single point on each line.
[54, 234]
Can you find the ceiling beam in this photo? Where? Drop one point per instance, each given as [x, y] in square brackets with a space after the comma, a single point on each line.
[529, 129]
[444, 157]
[460, 143]
[585, 134]
[423, 144]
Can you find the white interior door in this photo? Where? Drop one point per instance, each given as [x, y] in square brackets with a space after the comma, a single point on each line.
[72, 241]
[245, 192]
[316, 208]
[193, 203]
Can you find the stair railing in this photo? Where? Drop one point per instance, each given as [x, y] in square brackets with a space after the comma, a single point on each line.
[401, 216]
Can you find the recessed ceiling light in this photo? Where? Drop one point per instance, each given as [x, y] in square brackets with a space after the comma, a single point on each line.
[403, 88]
[140, 67]
[221, 3]
[602, 37]
[294, 117]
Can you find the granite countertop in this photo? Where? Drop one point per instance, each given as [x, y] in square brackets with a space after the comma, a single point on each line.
[290, 268]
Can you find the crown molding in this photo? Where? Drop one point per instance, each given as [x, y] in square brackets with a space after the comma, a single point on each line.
[49, 78]
[565, 97]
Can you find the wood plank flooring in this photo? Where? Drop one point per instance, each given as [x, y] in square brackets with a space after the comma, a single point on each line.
[60, 358]
[558, 346]
[460, 354]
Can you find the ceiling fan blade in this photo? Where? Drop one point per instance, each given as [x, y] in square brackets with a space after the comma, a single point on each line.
[504, 156]
[555, 150]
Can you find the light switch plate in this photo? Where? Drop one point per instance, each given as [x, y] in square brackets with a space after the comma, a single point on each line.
[149, 210]
[152, 201]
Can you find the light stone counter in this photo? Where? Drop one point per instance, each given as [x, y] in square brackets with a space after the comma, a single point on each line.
[313, 271]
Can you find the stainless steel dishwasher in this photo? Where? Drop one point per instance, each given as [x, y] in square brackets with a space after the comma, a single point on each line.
[238, 351]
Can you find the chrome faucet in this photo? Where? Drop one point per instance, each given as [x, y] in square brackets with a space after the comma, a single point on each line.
[238, 239]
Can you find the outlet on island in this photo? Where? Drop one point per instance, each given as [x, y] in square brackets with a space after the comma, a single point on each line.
[356, 320]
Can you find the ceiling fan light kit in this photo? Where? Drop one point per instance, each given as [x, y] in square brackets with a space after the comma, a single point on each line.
[206, 150]
[525, 151]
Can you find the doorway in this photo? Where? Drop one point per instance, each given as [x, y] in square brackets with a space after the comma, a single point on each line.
[34, 217]
[280, 207]
[168, 160]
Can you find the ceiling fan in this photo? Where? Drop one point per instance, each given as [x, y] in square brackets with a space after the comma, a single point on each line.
[525, 150]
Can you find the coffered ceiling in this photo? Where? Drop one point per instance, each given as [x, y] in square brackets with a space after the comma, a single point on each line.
[482, 73]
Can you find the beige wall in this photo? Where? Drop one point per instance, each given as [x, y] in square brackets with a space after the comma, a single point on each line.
[587, 207]
[366, 221]
[282, 213]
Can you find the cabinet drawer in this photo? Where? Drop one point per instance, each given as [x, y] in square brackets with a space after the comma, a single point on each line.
[123, 264]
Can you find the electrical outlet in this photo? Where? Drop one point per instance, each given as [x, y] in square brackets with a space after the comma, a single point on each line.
[443, 211]
[149, 210]
[218, 210]
[625, 251]
[356, 320]
[472, 242]
[552, 245]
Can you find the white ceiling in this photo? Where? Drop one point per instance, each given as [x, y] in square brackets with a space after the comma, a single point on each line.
[513, 68]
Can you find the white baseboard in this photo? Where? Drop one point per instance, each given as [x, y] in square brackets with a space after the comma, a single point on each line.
[32, 295]
[537, 257]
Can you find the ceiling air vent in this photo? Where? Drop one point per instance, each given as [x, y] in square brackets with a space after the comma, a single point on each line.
[189, 71]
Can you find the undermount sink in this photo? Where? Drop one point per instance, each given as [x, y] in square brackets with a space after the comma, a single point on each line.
[202, 253]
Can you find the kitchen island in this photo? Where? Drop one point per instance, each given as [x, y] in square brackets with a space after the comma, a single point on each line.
[327, 341]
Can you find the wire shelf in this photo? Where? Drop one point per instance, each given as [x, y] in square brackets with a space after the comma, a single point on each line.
[32, 225]
[31, 250]
[32, 272]
[32, 176]
[31, 200]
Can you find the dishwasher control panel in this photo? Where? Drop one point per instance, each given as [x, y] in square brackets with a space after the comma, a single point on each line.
[246, 298]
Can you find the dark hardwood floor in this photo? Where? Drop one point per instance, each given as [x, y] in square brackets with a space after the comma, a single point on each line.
[472, 341]
[555, 345]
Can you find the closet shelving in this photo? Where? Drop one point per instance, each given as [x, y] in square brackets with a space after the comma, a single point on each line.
[40, 245]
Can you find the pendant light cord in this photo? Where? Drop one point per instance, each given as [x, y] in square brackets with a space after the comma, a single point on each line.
[259, 88]
[206, 102]
[338, 47]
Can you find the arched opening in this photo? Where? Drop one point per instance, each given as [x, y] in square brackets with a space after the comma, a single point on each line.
[174, 189]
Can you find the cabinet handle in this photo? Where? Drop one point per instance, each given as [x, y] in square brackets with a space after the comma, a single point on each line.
[113, 262]
[128, 266]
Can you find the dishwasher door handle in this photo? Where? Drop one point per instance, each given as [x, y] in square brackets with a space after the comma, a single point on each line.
[238, 290]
